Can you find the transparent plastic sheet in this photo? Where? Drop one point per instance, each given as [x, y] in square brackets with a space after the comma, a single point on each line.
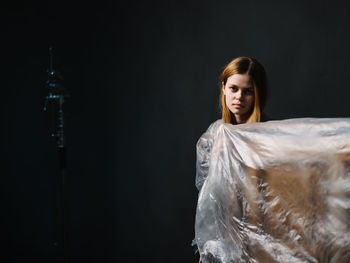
[274, 192]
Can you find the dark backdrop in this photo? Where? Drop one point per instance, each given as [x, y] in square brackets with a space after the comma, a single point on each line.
[143, 82]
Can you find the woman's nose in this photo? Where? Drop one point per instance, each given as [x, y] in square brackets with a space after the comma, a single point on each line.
[239, 95]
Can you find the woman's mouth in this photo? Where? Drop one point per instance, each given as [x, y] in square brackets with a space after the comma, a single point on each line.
[238, 106]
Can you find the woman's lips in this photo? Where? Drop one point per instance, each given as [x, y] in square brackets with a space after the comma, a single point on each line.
[238, 106]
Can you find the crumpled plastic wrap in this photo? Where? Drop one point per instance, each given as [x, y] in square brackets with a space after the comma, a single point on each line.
[274, 192]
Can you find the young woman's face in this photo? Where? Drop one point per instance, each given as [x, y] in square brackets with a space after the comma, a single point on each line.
[239, 96]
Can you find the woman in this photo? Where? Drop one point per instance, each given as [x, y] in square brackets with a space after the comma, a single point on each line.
[243, 85]
[273, 189]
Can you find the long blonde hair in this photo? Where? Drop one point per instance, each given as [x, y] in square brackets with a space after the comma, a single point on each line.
[250, 66]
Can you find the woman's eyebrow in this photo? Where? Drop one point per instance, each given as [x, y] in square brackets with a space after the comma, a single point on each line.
[234, 85]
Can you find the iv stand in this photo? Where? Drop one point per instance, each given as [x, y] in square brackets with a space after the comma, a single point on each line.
[56, 96]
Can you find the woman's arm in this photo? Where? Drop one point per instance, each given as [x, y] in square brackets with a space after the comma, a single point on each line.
[204, 146]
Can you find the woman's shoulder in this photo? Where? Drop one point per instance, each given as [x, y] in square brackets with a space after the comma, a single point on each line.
[211, 130]
[209, 133]
[214, 125]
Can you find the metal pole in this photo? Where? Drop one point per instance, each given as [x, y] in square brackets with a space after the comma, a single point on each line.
[56, 96]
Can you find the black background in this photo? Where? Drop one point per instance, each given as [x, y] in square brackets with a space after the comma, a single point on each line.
[143, 82]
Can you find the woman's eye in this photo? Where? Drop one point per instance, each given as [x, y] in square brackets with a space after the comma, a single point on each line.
[249, 91]
[234, 89]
